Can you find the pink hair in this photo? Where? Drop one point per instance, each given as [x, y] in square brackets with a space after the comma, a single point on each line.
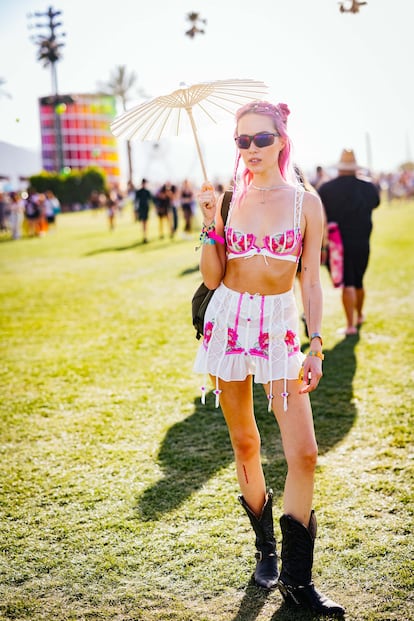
[279, 115]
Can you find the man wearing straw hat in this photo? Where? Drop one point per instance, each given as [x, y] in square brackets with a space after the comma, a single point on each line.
[349, 202]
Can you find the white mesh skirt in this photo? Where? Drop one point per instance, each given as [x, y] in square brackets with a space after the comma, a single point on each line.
[247, 334]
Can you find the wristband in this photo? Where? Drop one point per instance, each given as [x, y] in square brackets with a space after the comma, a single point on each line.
[215, 238]
[207, 234]
[316, 335]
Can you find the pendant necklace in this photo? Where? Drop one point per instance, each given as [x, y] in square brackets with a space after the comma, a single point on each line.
[270, 189]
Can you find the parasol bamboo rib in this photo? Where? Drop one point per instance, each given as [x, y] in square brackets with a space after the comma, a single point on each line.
[203, 168]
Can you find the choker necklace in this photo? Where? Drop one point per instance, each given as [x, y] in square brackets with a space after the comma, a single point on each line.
[263, 190]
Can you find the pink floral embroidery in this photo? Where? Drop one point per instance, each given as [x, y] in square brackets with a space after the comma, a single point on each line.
[291, 342]
[245, 242]
[290, 337]
[233, 345]
[262, 346]
[264, 340]
[231, 338]
[239, 241]
[208, 330]
[290, 238]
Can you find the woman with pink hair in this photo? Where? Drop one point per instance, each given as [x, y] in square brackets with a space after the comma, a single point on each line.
[251, 331]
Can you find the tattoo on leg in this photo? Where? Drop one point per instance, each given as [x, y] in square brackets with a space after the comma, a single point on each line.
[245, 473]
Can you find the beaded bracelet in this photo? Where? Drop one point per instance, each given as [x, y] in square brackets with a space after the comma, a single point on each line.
[317, 354]
[210, 231]
[205, 238]
[209, 227]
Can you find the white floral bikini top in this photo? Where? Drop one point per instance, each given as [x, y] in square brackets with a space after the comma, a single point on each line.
[286, 246]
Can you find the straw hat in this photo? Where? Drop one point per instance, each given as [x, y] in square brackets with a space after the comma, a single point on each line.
[347, 161]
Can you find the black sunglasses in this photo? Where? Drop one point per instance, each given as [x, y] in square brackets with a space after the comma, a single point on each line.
[263, 139]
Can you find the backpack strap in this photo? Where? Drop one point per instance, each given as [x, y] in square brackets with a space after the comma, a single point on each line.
[225, 205]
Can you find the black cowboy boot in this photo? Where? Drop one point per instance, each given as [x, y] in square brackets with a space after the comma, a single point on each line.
[295, 582]
[266, 573]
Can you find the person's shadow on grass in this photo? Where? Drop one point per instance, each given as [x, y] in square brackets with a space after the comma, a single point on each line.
[255, 598]
[196, 448]
[152, 245]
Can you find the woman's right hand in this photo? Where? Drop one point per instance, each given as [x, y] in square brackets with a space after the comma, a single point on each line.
[208, 202]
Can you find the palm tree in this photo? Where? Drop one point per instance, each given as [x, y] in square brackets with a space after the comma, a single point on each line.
[195, 20]
[120, 85]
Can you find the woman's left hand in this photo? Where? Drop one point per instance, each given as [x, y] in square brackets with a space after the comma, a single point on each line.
[312, 373]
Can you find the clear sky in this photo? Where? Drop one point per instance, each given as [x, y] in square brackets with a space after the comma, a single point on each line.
[346, 78]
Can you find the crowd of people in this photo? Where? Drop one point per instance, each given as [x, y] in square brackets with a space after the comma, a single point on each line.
[169, 201]
[348, 198]
[31, 214]
[399, 185]
[175, 205]
[28, 213]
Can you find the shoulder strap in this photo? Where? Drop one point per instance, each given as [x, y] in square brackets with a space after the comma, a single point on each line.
[225, 205]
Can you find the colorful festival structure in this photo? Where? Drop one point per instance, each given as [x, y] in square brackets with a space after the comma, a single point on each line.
[75, 133]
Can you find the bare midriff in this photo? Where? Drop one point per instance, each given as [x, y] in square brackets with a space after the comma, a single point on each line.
[253, 275]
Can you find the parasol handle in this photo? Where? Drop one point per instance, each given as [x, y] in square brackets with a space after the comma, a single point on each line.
[193, 126]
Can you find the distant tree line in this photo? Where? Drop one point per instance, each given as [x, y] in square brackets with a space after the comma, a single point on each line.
[71, 188]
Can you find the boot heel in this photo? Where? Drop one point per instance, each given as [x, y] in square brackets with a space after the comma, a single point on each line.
[287, 595]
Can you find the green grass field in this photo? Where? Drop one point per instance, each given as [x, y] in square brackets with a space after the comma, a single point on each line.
[118, 489]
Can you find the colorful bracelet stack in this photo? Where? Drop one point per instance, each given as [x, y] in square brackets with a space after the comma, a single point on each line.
[317, 354]
[205, 235]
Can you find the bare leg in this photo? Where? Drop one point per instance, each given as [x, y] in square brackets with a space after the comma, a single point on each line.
[300, 448]
[237, 405]
[360, 297]
[144, 230]
[349, 301]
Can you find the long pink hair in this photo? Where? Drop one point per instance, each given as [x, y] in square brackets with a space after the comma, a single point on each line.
[279, 115]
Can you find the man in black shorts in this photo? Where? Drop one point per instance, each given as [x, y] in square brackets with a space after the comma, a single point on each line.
[349, 201]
